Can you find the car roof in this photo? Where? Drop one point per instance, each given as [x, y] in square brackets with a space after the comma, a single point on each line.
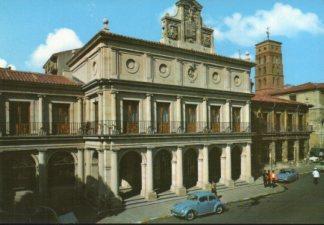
[201, 193]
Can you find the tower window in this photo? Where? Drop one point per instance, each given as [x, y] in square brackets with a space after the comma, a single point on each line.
[264, 81]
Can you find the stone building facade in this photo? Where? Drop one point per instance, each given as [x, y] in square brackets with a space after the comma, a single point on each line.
[131, 117]
[279, 125]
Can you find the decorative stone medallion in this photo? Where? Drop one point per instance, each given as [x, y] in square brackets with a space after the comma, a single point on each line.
[192, 73]
[237, 80]
[132, 66]
[216, 77]
[164, 70]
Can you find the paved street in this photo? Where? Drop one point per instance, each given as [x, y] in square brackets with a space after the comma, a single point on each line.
[303, 202]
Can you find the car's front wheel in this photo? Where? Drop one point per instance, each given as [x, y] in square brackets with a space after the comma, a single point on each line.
[190, 215]
[219, 209]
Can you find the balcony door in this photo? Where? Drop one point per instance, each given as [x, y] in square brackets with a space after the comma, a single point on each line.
[215, 118]
[191, 118]
[19, 118]
[236, 117]
[61, 118]
[131, 116]
[96, 117]
[300, 122]
[289, 122]
[278, 122]
[163, 118]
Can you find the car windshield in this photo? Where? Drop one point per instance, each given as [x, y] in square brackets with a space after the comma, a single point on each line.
[192, 197]
[284, 171]
[322, 163]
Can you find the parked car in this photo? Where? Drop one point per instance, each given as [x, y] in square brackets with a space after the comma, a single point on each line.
[316, 154]
[198, 203]
[313, 158]
[287, 175]
[319, 166]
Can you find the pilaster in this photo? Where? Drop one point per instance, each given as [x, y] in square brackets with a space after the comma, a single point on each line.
[285, 151]
[150, 194]
[42, 173]
[180, 190]
[296, 152]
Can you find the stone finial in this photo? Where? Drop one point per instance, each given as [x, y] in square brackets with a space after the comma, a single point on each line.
[105, 24]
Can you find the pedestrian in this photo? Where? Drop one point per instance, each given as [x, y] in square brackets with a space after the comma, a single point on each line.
[273, 179]
[316, 176]
[265, 179]
[213, 188]
[269, 178]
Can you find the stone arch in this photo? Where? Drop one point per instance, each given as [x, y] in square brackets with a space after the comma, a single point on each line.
[214, 158]
[236, 161]
[190, 167]
[130, 181]
[19, 178]
[162, 171]
[62, 179]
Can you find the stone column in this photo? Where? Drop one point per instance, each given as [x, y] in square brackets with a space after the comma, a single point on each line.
[150, 194]
[114, 109]
[229, 182]
[143, 172]
[79, 111]
[81, 165]
[87, 109]
[88, 162]
[100, 112]
[248, 164]
[178, 112]
[101, 168]
[181, 191]
[226, 125]
[306, 148]
[174, 171]
[204, 118]
[243, 164]
[296, 152]
[247, 125]
[42, 173]
[272, 153]
[50, 118]
[200, 168]
[148, 114]
[285, 151]
[205, 167]
[40, 125]
[222, 179]
[114, 173]
[7, 105]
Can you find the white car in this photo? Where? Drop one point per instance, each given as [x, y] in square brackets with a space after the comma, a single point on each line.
[313, 158]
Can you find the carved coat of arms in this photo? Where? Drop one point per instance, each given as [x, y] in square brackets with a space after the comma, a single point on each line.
[191, 24]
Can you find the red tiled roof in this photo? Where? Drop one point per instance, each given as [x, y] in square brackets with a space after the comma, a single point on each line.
[265, 97]
[302, 87]
[12, 75]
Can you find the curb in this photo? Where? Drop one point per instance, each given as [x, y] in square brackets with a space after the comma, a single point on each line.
[240, 200]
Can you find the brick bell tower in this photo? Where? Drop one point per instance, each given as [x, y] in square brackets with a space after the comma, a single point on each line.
[269, 67]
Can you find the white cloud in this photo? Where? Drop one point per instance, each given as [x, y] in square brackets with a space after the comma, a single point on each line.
[283, 20]
[60, 40]
[4, 64]
[171, 10]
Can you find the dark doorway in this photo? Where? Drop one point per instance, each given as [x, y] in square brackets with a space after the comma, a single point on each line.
[19, 118]
[191, 118]
[130, 174]
[162, 171]
[163, 118]
[130, 117]
[190, 168]
[236, 162]
[215, 164]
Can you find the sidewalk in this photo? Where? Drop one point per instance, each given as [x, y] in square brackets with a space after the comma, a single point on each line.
[160, 210]
[146, 213]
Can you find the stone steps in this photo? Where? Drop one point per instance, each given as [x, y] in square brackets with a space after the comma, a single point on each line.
[240, 183]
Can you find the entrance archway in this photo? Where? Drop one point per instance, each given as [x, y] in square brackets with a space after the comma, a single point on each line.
[236, 162]
[162, 171]
[215, 164]
[61, 180]
[130, 181]
[190, 168]
[19, 180]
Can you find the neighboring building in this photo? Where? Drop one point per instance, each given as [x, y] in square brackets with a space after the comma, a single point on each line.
[309, 93]
[149, 117]
[56, 64]
[281, 133]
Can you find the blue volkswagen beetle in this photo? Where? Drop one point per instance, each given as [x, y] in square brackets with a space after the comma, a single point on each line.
[198, 203]
[287, 175]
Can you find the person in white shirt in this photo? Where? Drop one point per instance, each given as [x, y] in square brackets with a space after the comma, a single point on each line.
[316, 176]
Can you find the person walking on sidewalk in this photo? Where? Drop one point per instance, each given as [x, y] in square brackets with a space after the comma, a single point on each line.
[265, 179]
[213, 188]
[316, 176]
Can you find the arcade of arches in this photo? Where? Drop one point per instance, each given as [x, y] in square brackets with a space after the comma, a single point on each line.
[60, 176]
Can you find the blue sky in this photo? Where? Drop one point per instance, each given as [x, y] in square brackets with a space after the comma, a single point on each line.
[33, 29]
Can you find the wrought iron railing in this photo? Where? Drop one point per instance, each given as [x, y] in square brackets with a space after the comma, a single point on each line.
[265, 128]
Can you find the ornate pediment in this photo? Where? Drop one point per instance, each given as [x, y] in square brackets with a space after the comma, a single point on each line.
[186, 30]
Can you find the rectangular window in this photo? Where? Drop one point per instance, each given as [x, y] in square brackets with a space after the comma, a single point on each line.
[278, 122]
[130, 116]
[211, 197]
[215, 118]
[236, 118]
[61, 118]
[163, 117]
[289, 122]
[191, 118]
[19, 117]
[301, 122]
